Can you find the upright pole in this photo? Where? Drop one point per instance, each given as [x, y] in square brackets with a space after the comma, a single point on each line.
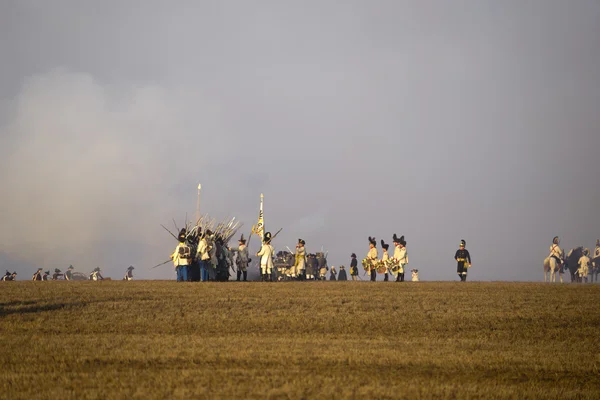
[198, 204]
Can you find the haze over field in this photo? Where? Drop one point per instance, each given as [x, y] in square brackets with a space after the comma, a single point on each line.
[435, 120]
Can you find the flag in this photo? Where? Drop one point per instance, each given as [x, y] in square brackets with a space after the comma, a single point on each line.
[259, 228]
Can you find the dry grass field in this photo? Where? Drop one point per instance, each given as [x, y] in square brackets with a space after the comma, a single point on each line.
[298, 340]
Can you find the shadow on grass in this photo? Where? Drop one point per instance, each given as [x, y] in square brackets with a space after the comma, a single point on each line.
[33, 307]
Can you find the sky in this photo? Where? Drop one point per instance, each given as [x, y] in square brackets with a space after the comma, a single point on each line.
[436, 120]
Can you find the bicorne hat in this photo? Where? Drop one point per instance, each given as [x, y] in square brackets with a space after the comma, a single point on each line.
[373, 241]
[384, 245]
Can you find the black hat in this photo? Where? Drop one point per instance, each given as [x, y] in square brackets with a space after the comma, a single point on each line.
[56, 270]
[242, 240]
[301, 241]
[267, 237]
[402, 241]
[373, 241]
[97, 269]
[463, 243]
[555, 240]
[70, 267]
[39, 269]
[130, 267]
[586, 252]
[47, 272]
[384, 245]
[353, 255]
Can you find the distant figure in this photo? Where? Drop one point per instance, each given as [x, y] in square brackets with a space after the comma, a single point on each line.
[353, 267]
[266, 258]
[400, 257]
[242, 260]
[9, 277]
[553, 263]
[584, 264]
[384, 260]
[463, 259]
[129, 274]
[596, 262]
[181, 258]
[57, 274]
[332, 274]
[342, 276]
[300, 261]
[95, 275]
[312, 267]
[203, 254]
[37, 276]
[46, 275]
[415, 275]
[69, 274]
[372, 258]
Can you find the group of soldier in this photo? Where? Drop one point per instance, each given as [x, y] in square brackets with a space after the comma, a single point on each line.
[579, 261]
[70, 275]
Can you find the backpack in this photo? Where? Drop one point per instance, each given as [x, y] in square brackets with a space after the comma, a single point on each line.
[184, 252]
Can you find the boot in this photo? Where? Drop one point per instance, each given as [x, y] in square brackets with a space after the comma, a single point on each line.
[239, 275]
[402, 277]
[245, 273]
[386, 278]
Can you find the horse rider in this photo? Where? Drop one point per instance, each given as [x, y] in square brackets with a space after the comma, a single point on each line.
[385, 258]
[129, 274]
[95, 275]
[372, 258]
[463, 259]
[242, 259]
[400, 256]
[353, 267]
[266, 258]
[300, 262]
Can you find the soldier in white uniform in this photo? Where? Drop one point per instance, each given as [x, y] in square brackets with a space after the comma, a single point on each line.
[37, 276]
[129, 274]
[596, 262]
[400, 256]
[203, 255]
[242, 259]
[372, 258]
[266, 258]
[584, 265]
[300, 264]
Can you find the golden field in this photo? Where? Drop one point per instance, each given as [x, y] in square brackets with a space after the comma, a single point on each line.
[298, 340]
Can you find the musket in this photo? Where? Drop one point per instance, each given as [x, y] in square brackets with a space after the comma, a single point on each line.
[161, 263]
[169, 231]
[276, 233]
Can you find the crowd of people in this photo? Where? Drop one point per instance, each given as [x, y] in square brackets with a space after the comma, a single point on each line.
[580, 263]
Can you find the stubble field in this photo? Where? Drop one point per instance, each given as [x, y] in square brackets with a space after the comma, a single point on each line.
[298, 340]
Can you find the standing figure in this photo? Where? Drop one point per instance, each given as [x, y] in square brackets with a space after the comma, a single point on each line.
[69, 274]
[129, 274]
[463, 259]
[266, 259]
[312, 268]
[332, 274]
[596, 262]
[353, 267]
[95, 275]
[9, 277]
[57, 274]
[37, 276]
[45, 276]
[372, 258]
[342, 276]
[203, 255]
[400, 257]
[584, 264]
[300, 262]
[242, 259]
[181, 259]
[385, 259]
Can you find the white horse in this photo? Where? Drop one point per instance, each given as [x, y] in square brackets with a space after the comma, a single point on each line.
[550, 269]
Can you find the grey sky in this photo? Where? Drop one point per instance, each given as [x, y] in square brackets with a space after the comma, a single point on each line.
[438, 120]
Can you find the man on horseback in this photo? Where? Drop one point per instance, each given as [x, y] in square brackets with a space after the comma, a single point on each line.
[554, 261]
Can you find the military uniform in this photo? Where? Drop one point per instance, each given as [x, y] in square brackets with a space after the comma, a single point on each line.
[266, 258]
[384, 259]
[584, 264]
[463, 259]
[312, 267]
[342, 276]
[372, 257]
[69, 274]
[37, 276]
[203, 255]
[242, 259]
[300, 261]
[45, 276]
[129, 274]
[354, 267]
[400, 256]
[181, 259]
[57, 274]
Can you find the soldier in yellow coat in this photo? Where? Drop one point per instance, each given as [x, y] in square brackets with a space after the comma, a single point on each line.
[372, 258]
